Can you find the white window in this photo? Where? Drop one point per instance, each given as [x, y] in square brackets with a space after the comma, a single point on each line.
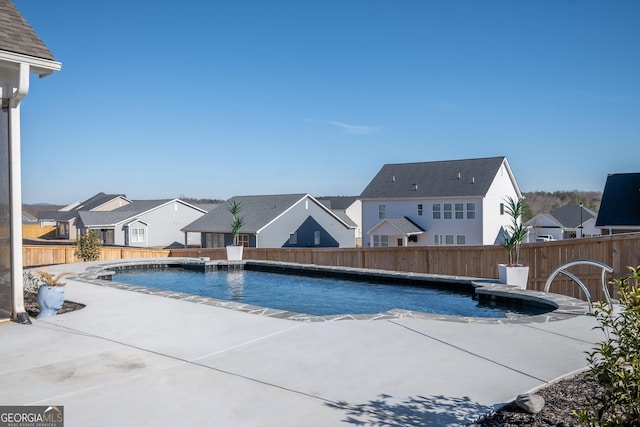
[380, 240]
[437, 239]
[461, 240]
[293, 238]
[382, 211]
[419, 209]
[137, 235]
[316, 238]
[437, 211]
[447, 211]
[459, 210]
[243, 240]
[501, 208]
[471, 211]
[448, 239]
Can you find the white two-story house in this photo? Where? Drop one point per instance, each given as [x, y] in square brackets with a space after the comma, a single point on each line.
[454, 202]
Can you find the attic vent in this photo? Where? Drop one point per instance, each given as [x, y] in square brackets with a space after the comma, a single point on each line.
[415, 187]
[459, 176]
[393, 178]
[473, 179]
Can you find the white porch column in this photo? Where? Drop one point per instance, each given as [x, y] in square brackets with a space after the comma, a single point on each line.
[18, 311]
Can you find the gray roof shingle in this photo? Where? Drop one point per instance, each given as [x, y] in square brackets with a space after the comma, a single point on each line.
[257, 212]
[569, 215]
[130, 211]
[620, 205]
[16, 35]
[91, 203]
[404, 224]
[337, 202]
[450, 178]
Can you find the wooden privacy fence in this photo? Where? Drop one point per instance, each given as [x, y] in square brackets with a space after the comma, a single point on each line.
[31, 231]
[38, 255]
[617, 251]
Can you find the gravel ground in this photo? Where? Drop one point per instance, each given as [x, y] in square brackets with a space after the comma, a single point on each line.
[31, 305]
[560, 399]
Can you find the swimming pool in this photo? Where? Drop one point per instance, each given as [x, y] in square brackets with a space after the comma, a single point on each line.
[319, 296]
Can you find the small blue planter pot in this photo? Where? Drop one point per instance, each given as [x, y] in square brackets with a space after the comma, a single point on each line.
[50, 300]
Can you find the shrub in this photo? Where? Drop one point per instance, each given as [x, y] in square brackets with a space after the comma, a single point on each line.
[237, 222]
[615, 362]
[516, 232]
[88, 246]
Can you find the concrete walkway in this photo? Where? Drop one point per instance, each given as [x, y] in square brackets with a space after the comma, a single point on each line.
[131, 359]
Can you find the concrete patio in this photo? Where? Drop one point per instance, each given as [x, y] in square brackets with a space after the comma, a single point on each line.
[132, 359]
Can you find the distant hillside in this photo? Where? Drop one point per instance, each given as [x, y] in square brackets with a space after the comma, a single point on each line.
[542, 202]
[194, 200]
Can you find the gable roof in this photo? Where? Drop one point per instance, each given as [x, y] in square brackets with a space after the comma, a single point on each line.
[125, 213]
[89, 204]
[337, 202]
[543, 220]
[339, 206]
[620, 205]
[18, 36]
[257, 211]
[401, 223]
[569, 215]
[450, 178]
[98, 200]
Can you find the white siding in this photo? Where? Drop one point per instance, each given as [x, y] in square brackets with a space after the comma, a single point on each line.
[355, 213]
[165, 224]
[493, 222]
[470, 228]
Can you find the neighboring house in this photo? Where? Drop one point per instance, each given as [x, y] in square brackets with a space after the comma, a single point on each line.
[566, 222]
[620, 207]
[347, 207]
[277, 221]
[455, 202]
[65, 218]
[22, 53]
[28, 218]
[143, 223]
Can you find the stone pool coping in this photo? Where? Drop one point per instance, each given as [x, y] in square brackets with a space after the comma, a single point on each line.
[565, 307]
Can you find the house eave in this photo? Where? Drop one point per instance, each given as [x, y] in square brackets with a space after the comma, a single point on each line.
[422, 198]
[40, 66]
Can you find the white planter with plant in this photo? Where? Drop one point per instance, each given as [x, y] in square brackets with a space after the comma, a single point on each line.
[234, 251]
[514, 273]
[50, 293]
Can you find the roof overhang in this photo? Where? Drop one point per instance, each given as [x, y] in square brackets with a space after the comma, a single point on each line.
[136, 220]
[41, 67]
[406, 228]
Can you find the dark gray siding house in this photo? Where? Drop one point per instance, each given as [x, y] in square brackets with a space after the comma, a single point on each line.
[620, 206]
[276, 221]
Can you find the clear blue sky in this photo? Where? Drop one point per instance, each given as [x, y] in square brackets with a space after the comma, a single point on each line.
[211, 99]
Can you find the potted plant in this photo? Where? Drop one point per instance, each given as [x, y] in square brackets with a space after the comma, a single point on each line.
[50, 293]
[234, 251]
[514, 273]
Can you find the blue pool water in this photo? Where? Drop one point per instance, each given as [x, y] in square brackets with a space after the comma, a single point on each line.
[315, 296]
